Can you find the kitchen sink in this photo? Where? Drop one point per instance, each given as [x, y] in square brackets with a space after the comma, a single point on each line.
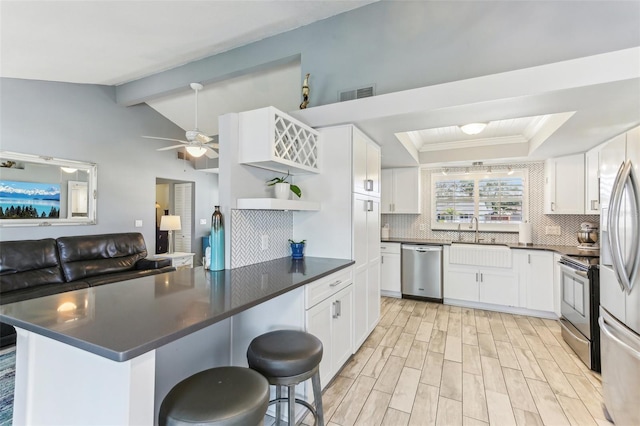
[480, 254]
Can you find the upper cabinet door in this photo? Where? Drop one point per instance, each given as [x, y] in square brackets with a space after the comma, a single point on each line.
[406, 190]
[366, 165]
[564, 185]
[386, 191]
[592, 181]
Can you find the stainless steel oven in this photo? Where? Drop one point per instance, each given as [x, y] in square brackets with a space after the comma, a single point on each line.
[579, 308]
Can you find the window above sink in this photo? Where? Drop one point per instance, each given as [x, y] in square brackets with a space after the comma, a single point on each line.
[499, 200]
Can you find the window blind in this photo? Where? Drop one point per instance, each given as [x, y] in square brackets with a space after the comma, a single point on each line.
[495, 198]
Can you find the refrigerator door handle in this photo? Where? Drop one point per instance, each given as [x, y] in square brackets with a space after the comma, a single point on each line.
[613, 224]
[635, 187]
[604, 327]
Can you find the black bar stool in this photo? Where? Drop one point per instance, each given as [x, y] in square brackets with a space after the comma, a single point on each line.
[287, 358]
[223, 396]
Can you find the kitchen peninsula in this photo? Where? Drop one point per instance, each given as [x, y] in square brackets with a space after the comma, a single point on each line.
[109, 354]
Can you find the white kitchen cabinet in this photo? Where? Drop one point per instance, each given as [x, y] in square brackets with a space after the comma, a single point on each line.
[479, 284]
[329, 317]
[497, 286]
[564, 185]
[592, 180]
[536, 276]
[348, 225]
[400, 191]
[366, 164]
[272, 140]
[366, 253]
[557, 283]
[390, 269]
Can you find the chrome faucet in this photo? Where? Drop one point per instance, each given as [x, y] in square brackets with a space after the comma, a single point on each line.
[475, 219]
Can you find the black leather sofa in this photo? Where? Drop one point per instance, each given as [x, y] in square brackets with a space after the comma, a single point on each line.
[37, 268]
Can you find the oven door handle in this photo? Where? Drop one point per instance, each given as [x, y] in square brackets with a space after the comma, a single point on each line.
[575, 271]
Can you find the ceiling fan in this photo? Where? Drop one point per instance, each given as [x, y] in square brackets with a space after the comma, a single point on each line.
[197, 143]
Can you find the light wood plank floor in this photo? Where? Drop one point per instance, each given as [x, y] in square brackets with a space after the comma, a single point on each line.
[431, 364]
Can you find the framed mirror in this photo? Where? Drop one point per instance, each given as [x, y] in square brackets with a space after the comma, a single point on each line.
[44, 191]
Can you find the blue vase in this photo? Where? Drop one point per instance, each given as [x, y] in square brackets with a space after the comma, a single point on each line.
[297, 250]
[217, 241]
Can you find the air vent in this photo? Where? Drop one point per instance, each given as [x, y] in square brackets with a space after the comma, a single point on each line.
[362, 92]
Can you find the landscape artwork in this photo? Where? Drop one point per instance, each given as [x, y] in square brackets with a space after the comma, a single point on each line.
[29, 200]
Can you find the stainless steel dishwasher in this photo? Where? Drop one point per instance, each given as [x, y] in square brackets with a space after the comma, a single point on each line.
[422, 272]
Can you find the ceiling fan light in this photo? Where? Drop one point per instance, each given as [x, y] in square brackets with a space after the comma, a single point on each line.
[196, 151]
[473, 128]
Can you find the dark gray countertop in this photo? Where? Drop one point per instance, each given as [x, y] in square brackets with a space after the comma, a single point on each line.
[122, 320]
[566, 250]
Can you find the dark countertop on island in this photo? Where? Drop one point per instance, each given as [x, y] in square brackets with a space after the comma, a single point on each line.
[122, 320]
[565, 250]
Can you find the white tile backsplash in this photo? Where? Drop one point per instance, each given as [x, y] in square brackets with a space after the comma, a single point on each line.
[408, 226]
[247, 229]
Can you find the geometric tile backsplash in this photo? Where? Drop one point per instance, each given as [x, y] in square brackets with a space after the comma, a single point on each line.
[408, 226]
[247, 228]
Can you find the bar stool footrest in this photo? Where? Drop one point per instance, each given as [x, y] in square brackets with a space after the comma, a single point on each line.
[302, 402]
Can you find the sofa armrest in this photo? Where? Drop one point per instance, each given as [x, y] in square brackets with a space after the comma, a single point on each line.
[144, 264]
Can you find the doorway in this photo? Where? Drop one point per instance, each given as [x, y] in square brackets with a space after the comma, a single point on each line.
[175, 197]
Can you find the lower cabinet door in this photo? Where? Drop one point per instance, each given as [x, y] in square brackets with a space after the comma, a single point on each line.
[319, 321]
[360, 325]
[373, 297]
[390, 272]
[342, 328]
[462, 284]
[498, 287]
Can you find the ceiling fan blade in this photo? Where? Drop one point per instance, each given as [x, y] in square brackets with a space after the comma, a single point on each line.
[212, 145]
[211, 154]
[164, 139]
[202, 138]
[166, 148]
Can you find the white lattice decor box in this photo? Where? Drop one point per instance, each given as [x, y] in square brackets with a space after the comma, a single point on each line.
[272, 140]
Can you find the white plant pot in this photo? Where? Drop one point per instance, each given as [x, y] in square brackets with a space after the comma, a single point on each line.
[282, 191]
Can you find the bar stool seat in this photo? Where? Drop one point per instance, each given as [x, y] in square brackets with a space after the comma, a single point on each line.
[223, 396]
[287, 358]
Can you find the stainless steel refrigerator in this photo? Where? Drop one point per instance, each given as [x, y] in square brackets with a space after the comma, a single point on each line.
[619, 278]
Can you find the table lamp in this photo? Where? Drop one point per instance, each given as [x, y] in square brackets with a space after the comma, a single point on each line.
[170, 223]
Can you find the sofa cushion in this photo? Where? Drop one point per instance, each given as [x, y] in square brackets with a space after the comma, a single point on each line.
[90, 255]
[28, 263]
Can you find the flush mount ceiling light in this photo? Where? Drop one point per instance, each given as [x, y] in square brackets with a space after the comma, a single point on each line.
[473, 128]
[445, 171]
[510, 172]
[196, 151]
[68, 169]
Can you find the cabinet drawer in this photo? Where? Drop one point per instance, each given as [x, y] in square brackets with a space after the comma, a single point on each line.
[319, 290]
[183, 262]
[390, 248]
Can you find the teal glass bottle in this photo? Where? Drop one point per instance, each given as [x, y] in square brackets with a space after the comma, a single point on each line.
[217, 241]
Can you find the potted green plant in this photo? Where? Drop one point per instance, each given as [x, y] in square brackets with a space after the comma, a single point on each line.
[282, 187]
[297, 249]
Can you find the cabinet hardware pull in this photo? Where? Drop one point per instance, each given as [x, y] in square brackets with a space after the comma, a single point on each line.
[382, 259]
[481, 278]
[335, 283]
[369, 184]
[476, 277]
[335, 310]
[594, 204]
[339, 304]
[553, 206]
[369, 205]
[529, 259]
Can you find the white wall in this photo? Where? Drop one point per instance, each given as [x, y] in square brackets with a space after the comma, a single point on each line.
[83, 122]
